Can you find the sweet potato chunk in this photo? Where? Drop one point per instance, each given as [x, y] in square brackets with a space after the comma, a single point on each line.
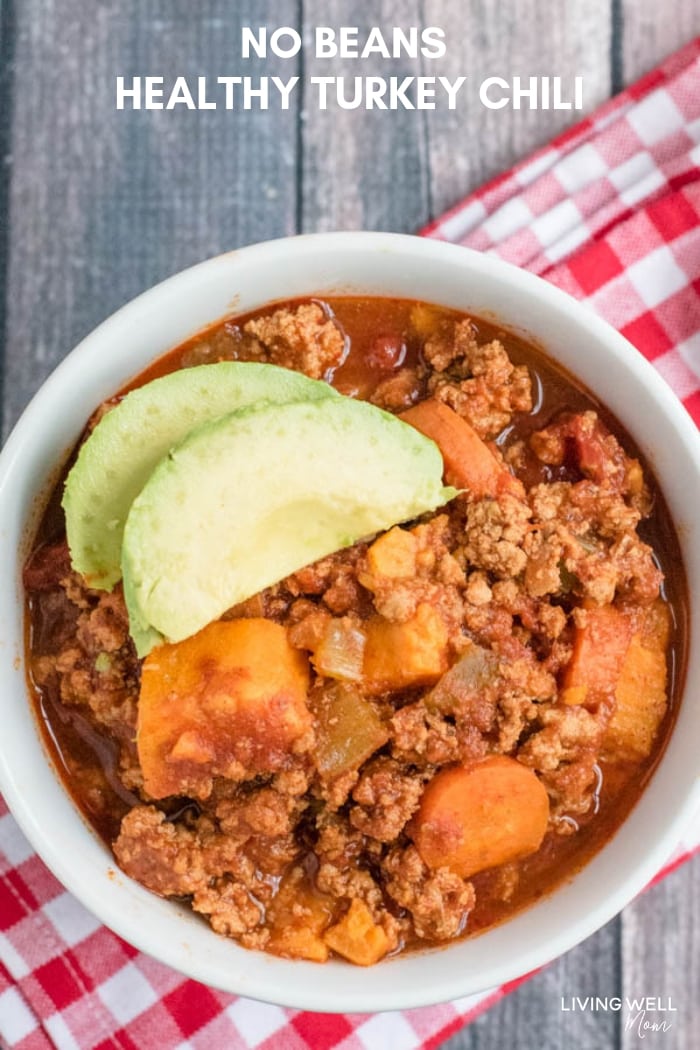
[400, 655]
[230, 701]
[600, 644]
[469, 462]
[640, 695]
[393, 555]
[357, 937]
[298, 917]
[479, 816]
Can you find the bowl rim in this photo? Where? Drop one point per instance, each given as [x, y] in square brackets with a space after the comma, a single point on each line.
[273, 970]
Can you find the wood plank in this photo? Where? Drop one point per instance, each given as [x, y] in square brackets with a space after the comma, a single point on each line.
[363, 169]
[7, 40]
[516, 37]
[651, 31]
[532, 1015]
[376, 177]
[661, 958]
[103, 203]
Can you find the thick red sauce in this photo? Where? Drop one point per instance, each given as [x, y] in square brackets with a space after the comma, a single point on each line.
[378, 340]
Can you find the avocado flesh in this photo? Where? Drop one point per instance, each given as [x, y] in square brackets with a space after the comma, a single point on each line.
[250, 498]
[117, 459]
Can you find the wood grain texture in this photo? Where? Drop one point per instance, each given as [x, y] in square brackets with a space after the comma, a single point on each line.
[657, 954]
[103, 204]
[531, 1017]
[514, 37]
[7, 41]
[363, 169]
[651, 30]
[397, 170]
[661, 958]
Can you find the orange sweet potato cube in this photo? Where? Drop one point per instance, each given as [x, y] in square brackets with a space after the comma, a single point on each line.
[231, 696]
[640, 696]
[393, 555]
[357, 937]
[401, 655]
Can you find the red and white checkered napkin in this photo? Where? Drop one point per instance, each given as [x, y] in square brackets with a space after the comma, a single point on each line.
[610, 211]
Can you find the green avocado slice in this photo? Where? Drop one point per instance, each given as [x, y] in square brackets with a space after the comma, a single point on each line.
[115, 462]
[254, 496]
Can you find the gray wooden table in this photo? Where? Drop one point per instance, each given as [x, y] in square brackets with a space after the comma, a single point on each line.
[98, 205]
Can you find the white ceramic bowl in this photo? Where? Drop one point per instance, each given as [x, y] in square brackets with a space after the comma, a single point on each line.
[363, 263]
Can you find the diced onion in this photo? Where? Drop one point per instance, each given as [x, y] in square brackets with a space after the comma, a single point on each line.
[469, 676]
[341, 652]
[348, 730]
